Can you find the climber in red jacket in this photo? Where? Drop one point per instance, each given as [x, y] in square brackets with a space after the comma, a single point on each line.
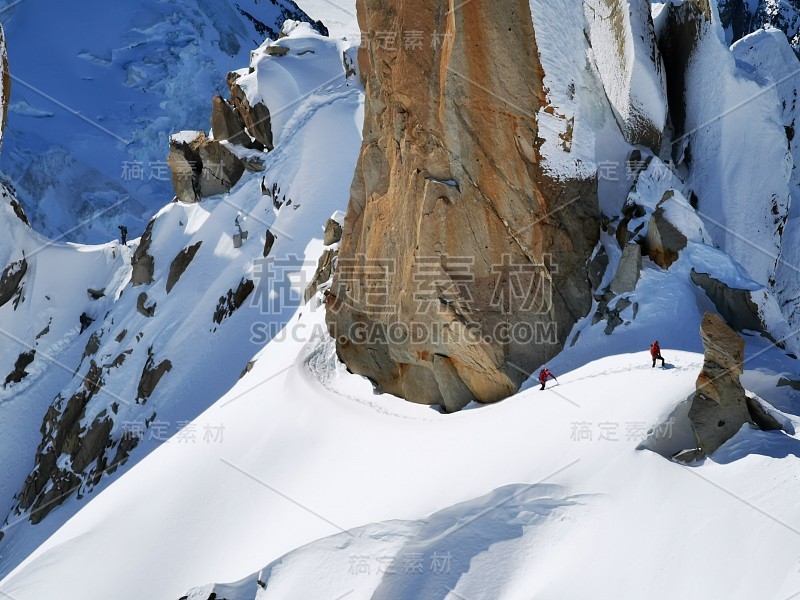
[544, 374]
[655, 352]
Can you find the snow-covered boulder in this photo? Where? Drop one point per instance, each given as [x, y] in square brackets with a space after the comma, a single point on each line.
[627, 58]
[741, 17]
[672, 225]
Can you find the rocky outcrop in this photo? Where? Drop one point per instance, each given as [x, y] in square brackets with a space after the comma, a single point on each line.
[227, 125]
[628, 270]
[256, 118]
[452, 220]
[143, 308]
[720, 406]
[333, 233]
[734, 304]
[180, 263]
[597, 268]
[142, 262]
[269, 241]
[201, 167]
[19, 373]
[761, 417]
[11, 282]
[151, 376]
[233, 300]
[663, 242]
[322, 275]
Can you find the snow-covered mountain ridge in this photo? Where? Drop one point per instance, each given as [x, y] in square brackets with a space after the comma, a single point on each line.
[181, 416]
[111, 358]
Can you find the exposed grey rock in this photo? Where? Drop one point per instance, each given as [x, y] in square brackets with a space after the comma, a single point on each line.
[202, 167]
[628, 271]
[93, 380]
[760, 416]
[142, 308]
[17, 208]
[180, 263]
[622, 35]
[735, 305]
[187, 171]
[221, 168]
[61, 434]
[597, 268]
[226, 124]
[322, 275]
[11, 281]
[231, 302]
[268, 243]
[256, 118]
[64, 484]
[92, 346]
[689, 457]
[610, 315]
[119, 360]
[93, 444]
[96, 294]
[85, 321]
[6, 81]
[248, 367]
[46, 329]
[19, 373]
[277, 50]
[151, 376]
[333, 232]
[143, 263]
[124, 449]
[719, 406]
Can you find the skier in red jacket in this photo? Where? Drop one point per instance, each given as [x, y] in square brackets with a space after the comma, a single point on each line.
[544, 375]
[655, 352]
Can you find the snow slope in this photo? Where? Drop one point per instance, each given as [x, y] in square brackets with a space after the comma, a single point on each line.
[726, 110]
[298, 481]
[92, 108]
[312, 169]
[339, 16]
[310, 452]
[769, 57]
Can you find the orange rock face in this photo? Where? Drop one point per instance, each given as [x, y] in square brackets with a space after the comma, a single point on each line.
[463, 263]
